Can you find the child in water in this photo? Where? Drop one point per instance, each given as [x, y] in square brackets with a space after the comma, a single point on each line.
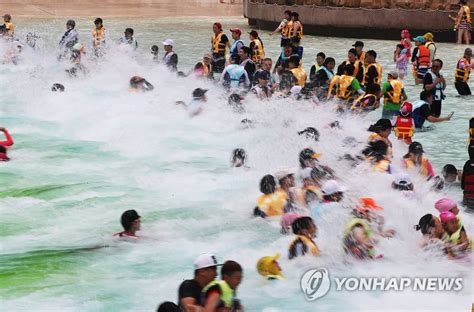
[305, 230]
[459, 242]
[269, 268]
[400, 57]
[404, 124]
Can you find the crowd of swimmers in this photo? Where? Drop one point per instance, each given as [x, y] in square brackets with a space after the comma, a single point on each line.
[297, 198]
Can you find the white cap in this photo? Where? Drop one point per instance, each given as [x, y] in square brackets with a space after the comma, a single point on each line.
[205, 261]
[332, 187]
[296, 90]
[280, 174]
[402, 178]
[169, 42]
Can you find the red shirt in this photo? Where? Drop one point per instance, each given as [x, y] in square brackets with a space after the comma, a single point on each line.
[9, 140]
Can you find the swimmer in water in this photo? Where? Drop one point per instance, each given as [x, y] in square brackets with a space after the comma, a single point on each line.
[195, 107]
[57, 87]
[239, 157]
[131, 224]
[269, 268]
[139, 84]
[305, 230]
[310, 133]
[154, 51]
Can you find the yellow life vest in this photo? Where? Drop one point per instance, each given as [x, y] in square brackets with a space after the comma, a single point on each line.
[299, 33]
[382, 165]
[218, 46]
[313, 248]
[454, 238]
[466, 17]
[300, 76]
[10, 28]
[362, 57]
[98, 36]
[359, 104]
[272, 204]
[258, 53]
[344, 90]
[461, 73]
[357, 66]
[395, 95]
[227, 293]
[424, 166]
[332, 84]
[379, 74]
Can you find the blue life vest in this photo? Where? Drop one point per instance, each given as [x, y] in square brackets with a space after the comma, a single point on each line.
[234, 76]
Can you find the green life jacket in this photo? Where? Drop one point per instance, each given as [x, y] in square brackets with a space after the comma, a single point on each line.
[227, 293]
[367, 230]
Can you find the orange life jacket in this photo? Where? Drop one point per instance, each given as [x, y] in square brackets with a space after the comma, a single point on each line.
[291, 26]
[466, 16]
[344, 89]
[424, 59]
[300, 76]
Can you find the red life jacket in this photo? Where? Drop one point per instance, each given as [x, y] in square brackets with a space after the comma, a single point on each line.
[404, 128]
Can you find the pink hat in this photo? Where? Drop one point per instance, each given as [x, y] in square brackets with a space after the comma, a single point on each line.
[288, 218]
[445, 204]
[446, 216]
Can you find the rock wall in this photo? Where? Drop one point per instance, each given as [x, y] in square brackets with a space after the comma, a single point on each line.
[444, 5]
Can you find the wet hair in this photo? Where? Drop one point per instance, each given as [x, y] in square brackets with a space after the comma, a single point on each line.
[295, 15]
[155, 49]
[301, 224]
[380, 125]
[219, 25]
[127, 219]
[424, 95]
[349, 69]
[377, 149]
[295, 60]
[267, 59]
[286, 79]
[439, 61]
[288, 12]
[321, 54]
[463, 1]
[449, 169]
[268, 184]
[246, 50]
[400, 46]
[57, 87]
[230, 267]
[372, 53]
[310, 133]
[71, 23]
[329, 60]
[425, 224]
[234, 99]
[129, 30]
[168, 307]
[98, 20]
[239, 153]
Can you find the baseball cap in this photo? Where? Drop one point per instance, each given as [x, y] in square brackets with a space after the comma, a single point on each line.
[168, 42]
[332, 187]
[358, 44]
[205, 260]
[393, 73]
[420, 39]
[236, 30]
[283, 173]
[308, 153]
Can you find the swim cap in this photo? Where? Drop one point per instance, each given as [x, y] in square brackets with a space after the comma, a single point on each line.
[368, 203]
[446, 216]
[287, 220]
[419, 39]
[406, 108]
[268, 266]
[445, 204]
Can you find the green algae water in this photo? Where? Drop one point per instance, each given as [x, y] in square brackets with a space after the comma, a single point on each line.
[84, 156]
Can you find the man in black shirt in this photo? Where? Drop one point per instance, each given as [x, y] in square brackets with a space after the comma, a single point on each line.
[434, 82]
[422, 110]
[189, 293]
[246, 62]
